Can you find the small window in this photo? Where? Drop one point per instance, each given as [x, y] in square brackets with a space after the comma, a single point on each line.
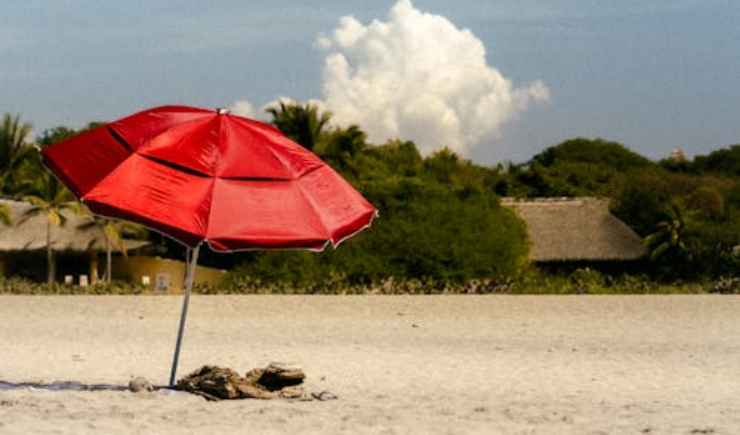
[163, 282]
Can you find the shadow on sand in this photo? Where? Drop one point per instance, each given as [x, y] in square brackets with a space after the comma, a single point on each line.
[61, 386]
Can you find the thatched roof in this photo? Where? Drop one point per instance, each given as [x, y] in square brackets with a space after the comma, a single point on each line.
[29, 233]
[573, 229]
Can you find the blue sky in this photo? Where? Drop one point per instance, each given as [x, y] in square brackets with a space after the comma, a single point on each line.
[654, 75]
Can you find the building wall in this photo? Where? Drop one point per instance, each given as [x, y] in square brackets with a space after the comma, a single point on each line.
[165, 275]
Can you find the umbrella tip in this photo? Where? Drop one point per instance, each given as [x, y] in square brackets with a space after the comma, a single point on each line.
[222, 111]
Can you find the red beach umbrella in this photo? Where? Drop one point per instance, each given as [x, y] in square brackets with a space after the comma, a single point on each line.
[200, 175]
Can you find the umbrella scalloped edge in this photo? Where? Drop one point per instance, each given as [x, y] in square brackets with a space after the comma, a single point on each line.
[326, 244]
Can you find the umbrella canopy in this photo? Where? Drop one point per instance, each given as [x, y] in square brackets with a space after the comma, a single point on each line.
[204, 175]
[201, 175]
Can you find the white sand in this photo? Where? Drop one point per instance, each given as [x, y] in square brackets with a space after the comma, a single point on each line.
[472, 364]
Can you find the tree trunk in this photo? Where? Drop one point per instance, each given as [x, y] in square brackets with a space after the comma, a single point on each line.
[50, 270]
[108, 260]
[93, 267]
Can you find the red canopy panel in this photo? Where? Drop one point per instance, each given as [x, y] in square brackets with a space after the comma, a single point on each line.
[191, 145]
[84, 160]
[255, 214]
[342, 209]
[164, 198]
[140, 128]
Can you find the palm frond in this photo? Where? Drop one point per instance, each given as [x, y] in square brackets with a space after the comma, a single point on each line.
[87, 225]
[112, 234]
[5, 215]
[659, 251]
[651, 239]
[36, 201]
[55, 218]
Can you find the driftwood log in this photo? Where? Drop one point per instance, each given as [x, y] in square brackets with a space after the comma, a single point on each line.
[272, 382]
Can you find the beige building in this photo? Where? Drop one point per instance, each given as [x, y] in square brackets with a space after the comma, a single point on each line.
[162, 275]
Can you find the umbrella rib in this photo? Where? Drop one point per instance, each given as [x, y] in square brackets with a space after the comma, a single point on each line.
[118, 138]
[266, 179]
[176, 166]
[315, 210]
[288, 167]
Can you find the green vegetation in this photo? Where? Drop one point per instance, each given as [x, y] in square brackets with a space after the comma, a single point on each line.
[580, 282]
[5, 218]
[442, 228]
[725, 161]
[14, 149]
[303, 124]
[20, 286]
[691, 221]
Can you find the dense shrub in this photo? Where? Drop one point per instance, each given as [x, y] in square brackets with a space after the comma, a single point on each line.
[594, 151]
[22, 286]
[725, 161]
[707, 201]
[425, 232]
[336, 284]
[577, 167]
[642, 202]
[726, 285]
[585, 281]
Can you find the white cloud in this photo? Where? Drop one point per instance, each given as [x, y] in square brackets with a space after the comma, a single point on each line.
[243, 108]
[417, 76]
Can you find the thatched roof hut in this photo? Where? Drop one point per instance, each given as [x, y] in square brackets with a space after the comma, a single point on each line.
[29, 233]
[575, 229]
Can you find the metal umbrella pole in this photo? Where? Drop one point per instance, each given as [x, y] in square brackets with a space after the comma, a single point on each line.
[192, 262]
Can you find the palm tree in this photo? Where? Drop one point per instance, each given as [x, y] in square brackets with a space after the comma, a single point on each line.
[114, 232]
[302, 123]
[340, 145]
[669, 236]
[48, 197]
[14, 147]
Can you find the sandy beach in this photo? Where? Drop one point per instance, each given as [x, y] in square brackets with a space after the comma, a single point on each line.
[426, 365]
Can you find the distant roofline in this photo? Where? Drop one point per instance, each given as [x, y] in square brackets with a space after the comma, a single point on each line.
[29, 234]
[575, 229]
[554, 199]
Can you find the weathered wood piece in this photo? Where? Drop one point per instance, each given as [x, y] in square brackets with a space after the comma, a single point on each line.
[272, 382]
